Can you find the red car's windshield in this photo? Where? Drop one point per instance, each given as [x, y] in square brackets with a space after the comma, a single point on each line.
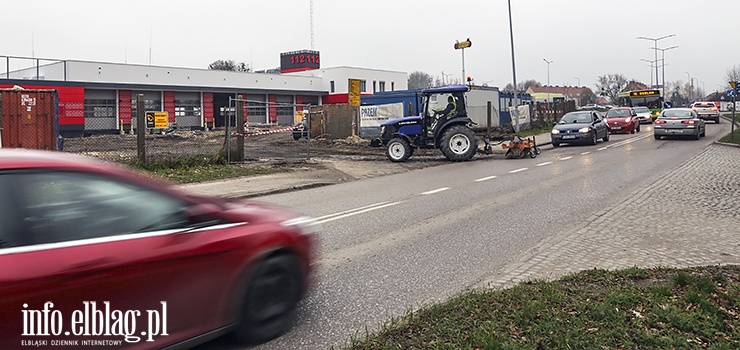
[617, 113]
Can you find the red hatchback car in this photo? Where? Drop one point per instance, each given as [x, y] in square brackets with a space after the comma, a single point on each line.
[95, 254]
[622, 120]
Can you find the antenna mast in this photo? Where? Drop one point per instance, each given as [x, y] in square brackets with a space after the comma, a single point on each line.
[311, 16]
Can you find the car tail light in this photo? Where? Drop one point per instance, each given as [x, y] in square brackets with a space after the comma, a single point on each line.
[660, 122]
[688, 122]
[714, 108]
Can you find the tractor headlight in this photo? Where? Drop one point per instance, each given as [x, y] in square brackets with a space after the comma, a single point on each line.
[382, 130]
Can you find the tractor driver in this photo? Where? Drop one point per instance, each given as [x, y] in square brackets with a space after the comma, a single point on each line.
[440, 115]
[451, 109]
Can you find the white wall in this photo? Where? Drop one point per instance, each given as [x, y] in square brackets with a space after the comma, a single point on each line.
[139, 74]
[314, 80]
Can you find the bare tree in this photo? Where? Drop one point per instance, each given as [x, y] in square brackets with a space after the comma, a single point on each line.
[522, 85]
[419, 80]
[610, 85]
[676, 93]
[450, 81]
[587, 97]
[229, 65]
[733, 74]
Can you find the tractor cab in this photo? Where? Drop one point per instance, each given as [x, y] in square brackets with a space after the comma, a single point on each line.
[442, 105]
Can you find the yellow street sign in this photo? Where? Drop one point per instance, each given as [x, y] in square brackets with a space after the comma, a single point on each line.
[732, 83]
[463, 44]
[354, 92]
[157, 120]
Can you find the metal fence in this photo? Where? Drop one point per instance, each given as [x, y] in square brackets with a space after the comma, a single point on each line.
[160, 145]
[253, 141]
[269, 136]
[283, 132]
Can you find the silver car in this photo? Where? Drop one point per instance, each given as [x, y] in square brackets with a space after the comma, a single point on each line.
[679, 122]
[644, 114]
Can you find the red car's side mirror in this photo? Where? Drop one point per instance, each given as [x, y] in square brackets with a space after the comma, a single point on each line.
[202, 213]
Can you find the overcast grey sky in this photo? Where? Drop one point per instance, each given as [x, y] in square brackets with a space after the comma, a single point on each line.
[584, 39]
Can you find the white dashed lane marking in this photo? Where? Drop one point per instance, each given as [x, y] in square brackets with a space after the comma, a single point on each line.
[485, 178]
[436, 191]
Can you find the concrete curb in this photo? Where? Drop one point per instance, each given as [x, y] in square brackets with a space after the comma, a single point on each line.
[727, 144]
[281, 190]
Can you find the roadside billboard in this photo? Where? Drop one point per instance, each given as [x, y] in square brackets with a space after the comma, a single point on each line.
[372, 116]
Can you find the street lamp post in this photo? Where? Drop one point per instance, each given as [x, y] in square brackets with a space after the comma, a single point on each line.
[652, 64]
[691, 87]
[513, 69]
[655, 42]
[663, 64]
[548, 78]
[444, 76]
[579, 81]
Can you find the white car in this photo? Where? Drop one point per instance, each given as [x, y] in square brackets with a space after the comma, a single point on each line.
[644, 114]
[706, 110]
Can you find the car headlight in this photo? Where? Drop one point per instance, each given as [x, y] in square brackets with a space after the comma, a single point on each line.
[584, 130]
[627, 120]
[382, 130]
[555, 131]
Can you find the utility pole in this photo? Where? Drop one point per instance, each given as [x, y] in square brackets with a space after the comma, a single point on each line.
[513, 70]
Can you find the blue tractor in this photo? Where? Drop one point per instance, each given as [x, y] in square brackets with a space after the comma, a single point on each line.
[443, 124]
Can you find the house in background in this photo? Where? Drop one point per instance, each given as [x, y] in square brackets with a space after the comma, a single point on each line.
[580, 94]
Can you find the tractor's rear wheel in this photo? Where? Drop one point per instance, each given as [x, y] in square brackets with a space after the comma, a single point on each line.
[399, 150]
[459, 143]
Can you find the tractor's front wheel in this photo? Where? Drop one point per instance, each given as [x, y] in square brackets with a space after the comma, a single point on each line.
[399, 150]
[459, 143]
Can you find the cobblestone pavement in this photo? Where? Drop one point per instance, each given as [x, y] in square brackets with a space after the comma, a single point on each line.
[694, 219]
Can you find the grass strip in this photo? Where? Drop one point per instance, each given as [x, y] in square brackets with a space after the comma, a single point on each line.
[659, 308]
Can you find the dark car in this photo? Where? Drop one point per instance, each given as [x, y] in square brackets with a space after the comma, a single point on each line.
[579, 127]
[93, 251]
[679, 122]
[622, 120]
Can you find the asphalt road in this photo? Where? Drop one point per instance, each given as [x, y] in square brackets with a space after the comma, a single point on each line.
[394, 243]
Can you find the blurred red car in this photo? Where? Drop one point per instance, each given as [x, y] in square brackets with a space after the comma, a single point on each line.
[95, 254]
[622, 120]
